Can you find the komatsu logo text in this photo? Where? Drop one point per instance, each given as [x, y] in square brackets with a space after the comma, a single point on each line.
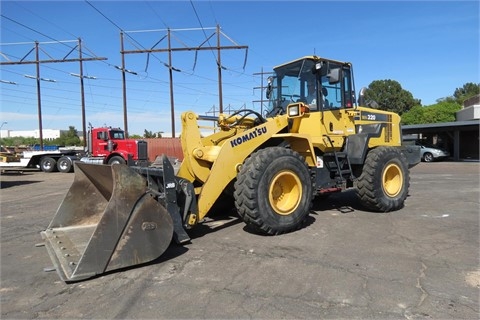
[249, 136]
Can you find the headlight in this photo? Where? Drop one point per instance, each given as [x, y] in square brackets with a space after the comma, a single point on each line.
[294, 111]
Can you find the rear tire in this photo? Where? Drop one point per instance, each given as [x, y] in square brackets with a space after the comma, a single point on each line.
[65, 165]
[273, 191]
[385, 179]
[48, 164]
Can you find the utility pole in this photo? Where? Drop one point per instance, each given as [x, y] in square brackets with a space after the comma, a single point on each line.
[39, 96]
[169, 49]
[219, 70]
[170, 74]
[37, 62]
[82, 93]
[124, 89]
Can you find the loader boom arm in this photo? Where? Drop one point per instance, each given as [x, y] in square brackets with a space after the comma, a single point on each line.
[212, 163]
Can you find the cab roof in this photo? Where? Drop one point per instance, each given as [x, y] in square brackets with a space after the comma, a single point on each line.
[313, 58]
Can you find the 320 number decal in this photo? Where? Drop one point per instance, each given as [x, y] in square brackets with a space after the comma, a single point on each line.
[370, 116]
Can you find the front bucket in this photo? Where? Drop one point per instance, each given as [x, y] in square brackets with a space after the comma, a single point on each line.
[107, 221]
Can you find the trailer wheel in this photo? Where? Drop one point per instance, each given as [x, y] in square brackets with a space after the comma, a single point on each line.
[116, 159]
[48, 164]
[65, 165]
[273, 191]
[384, 182]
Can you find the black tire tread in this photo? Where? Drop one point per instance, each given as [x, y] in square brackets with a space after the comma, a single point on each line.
[369, 185]
[245, 194]
[120, 160]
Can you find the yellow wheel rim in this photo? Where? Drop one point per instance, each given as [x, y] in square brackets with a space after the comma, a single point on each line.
[392, 181]
[285, 192]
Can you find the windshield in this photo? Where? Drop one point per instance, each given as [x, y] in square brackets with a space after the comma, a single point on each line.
[290, 84]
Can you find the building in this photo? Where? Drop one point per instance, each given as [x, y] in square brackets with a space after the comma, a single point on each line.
[48, 134]
[461, 137]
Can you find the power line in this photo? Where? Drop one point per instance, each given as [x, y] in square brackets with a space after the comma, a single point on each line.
[146, 77]
[27, 27]
[155, 12]
[48, 21]
[203, 30]
[137, 44]
[101, 13]
[90, 54]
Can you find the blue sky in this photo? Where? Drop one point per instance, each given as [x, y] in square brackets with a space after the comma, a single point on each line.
[429, 47]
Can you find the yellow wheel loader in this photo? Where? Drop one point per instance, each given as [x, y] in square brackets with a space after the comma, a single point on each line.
[314, 139]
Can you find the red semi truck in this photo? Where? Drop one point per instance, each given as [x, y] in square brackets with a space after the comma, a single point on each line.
[105, 145]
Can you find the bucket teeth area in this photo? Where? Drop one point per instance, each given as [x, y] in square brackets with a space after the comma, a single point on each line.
[106, 221]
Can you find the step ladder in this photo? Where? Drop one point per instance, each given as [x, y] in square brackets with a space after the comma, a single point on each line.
[338, 163]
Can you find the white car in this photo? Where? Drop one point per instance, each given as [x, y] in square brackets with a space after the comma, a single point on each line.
[430, 154]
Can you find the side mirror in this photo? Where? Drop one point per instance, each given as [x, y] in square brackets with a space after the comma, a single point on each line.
[334, 76]
[361, 97]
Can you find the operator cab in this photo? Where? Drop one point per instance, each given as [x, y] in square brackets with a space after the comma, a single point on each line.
[321, 84]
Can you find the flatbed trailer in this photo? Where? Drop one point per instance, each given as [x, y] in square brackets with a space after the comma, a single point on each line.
[46, 161]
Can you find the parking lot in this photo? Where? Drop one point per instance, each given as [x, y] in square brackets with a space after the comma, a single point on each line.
[421, 262]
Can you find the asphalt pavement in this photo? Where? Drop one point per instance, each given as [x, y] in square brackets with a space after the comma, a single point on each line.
[421, 262]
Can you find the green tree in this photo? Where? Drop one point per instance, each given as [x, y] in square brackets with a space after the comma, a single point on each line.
[69, 138]
[443, 111]
[414, 115]
[150, 134]
[468, 90]
[19, 141]
[390, 96]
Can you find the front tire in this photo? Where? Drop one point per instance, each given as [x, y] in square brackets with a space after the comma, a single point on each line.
[273, 191]
[385, 179]
[116, 159]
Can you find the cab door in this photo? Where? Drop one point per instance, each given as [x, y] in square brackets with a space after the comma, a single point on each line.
[338, 100]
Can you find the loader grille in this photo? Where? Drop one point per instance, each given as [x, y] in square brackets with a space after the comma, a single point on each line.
[388, 129]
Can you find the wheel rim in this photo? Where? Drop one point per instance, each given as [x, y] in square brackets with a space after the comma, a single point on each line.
[392, 180]
[285, 192]
[114, 160]
[63, 165]
[428, 157]
[48, 165]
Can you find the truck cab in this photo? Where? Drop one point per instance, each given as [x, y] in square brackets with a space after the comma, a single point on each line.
[108, 145]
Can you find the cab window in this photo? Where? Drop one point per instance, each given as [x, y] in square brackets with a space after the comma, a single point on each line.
[337, 94]
[117, 135]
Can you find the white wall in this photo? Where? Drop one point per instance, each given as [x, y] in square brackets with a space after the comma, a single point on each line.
[469, 113]
[48, 134]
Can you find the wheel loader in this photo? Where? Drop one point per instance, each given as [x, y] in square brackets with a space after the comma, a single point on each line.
[269, 166]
